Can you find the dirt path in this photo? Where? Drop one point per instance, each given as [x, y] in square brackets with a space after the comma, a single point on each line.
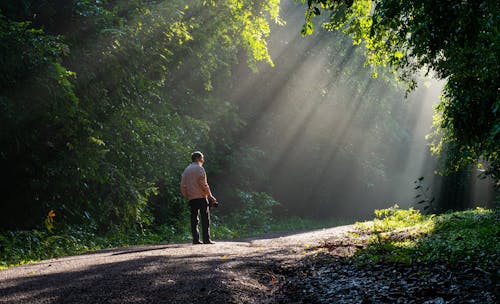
[227, 272]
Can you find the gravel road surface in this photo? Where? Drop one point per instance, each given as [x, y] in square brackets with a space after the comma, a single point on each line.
[225, 272]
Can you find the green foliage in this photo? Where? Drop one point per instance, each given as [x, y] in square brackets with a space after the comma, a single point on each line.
[468, 236]
[221, 229]
[323, 127]
[40, 122]
[102, 102]
[255, 214]
[20, 247]
[423, 195]
[406, 236]
[394, 218]
[458, 41]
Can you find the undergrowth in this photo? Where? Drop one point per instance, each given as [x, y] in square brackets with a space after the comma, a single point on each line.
[407, 236]
[22, 247]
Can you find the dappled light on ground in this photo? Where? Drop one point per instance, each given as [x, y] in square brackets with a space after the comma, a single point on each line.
[227, 272]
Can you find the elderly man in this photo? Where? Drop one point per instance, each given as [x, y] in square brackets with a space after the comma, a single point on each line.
[195, 188]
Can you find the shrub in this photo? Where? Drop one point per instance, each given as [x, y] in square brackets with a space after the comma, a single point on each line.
[256, 214]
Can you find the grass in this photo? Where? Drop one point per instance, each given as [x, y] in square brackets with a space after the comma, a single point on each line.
[23, 247]
[407, 236]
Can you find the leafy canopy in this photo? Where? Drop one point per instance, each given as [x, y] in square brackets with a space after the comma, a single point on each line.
[458, 41]
[100, 103]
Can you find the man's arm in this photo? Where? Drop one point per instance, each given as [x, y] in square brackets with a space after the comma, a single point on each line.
[183, 187]
[205, 186]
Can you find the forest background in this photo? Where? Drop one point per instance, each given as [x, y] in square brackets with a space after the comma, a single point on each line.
[102, 103]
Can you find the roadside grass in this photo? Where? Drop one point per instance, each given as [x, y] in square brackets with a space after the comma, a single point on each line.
[407, 236]
[24, 247]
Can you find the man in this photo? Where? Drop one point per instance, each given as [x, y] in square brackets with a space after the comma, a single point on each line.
[195, 188]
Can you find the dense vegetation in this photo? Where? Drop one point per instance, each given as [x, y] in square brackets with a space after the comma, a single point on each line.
[102, 102]
[456, 41]
[407, 236]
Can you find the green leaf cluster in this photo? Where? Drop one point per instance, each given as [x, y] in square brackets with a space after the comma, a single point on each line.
[456, 41]
[406, 236]
[102, 103]
[255, 213]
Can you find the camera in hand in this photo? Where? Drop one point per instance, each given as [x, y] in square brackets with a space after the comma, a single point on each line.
[213, 203]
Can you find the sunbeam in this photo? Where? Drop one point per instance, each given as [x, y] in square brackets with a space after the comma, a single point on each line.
[337, 141]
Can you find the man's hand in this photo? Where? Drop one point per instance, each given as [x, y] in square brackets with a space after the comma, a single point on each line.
[212, 201]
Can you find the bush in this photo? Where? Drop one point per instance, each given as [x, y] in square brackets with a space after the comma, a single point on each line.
[407, 236]
[255, 216]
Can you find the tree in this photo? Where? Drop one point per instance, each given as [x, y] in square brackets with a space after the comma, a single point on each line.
[100, 102]
[458, 41]
[41, 122]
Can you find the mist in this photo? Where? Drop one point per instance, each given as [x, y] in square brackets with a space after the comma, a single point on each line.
[338, 142]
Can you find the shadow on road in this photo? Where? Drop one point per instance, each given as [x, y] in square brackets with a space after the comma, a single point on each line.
[191, 278]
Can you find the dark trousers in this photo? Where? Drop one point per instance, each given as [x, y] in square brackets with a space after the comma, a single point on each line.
[199, 206]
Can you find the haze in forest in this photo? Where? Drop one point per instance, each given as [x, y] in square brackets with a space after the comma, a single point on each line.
[338, 141]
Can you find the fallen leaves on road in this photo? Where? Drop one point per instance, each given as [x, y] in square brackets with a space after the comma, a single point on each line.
[326, 278]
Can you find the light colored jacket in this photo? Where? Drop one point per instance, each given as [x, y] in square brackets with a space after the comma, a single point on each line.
[194, 182]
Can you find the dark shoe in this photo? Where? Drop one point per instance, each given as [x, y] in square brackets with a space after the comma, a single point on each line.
[209, 242]
[197, 242]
